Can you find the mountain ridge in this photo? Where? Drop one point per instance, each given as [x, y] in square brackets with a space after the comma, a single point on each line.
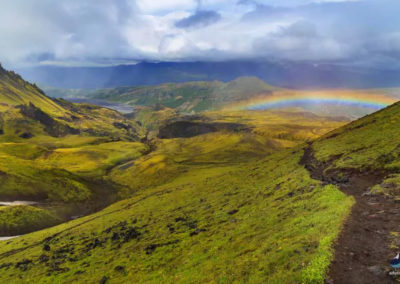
[282, 74]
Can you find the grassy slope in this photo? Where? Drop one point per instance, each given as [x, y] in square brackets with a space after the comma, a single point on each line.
[16, 220]
[270, 131]
[15, 91]
[212, 208]
[244, 222]
[35, 128]
[369, 143]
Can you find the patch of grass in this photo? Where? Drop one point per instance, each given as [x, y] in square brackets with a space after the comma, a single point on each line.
[22, 219]
[93, 160]
[390, 186]
[368, 143]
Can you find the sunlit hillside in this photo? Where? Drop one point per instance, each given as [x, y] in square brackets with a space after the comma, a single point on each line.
[188, 185]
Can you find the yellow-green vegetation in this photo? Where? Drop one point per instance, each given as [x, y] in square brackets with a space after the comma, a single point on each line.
[92, 160]
[15, 91]
[390, 186]
[21, 219]
[152, 118]
[40, 171]
[58, 153]
[35, 129]
[26, 112]
[268, 132]
[288, 127]
[244, 222]
[369, 142]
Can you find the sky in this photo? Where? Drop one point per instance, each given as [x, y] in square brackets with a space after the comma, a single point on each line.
[112, 32]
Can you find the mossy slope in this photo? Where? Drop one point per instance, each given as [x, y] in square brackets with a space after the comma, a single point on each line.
[221, 224]
[219, 207]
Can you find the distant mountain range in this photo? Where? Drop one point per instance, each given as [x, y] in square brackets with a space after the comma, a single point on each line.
[283, 74]
[185, 97]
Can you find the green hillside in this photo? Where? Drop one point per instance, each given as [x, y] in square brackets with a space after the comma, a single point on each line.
[34, 131]
[221, 197]
[210, 206]
[15, 91]
[233, 221]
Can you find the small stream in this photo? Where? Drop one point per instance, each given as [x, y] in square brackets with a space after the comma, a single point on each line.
[7, 238]
[115, 106]
[17, 202]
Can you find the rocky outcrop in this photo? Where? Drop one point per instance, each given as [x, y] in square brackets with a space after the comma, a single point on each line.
[51, 126]
[185, 129]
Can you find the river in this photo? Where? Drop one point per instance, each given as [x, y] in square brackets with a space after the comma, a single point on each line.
[115, 106]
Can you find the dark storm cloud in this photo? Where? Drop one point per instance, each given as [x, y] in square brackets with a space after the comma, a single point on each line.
[91, 32]
[199, 19]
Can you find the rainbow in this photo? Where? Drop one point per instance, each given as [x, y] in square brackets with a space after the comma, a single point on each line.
[284, 100]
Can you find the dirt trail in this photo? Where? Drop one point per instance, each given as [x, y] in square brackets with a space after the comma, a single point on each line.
[362, 251]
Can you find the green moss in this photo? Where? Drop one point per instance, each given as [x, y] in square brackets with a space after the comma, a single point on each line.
[365, 143]
[390, 186]
[244, 222]
[16, 220]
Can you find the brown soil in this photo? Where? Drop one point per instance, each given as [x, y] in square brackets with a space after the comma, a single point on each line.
[362, 251]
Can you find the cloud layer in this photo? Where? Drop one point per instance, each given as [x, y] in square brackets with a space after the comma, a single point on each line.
[72, 32]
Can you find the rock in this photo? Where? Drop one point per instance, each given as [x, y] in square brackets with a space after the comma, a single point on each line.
[23, 265]
[180, 219]
[26, 135]
[131, 233]
[43, 258]
[46, 247]
[115, 236]
[79, 272]
[150, 248]
[196, 232]
[119, 268]
[171, 228]
[6, 265]
[96, 243]
[233, 211]
[375, 269]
